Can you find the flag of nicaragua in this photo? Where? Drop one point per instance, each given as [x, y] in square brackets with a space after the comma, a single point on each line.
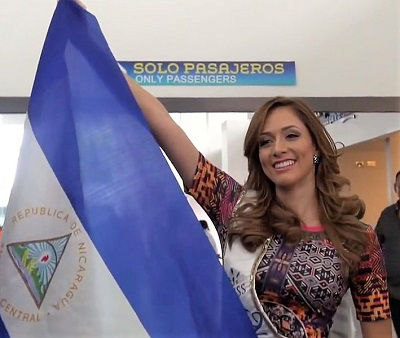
[99, 240]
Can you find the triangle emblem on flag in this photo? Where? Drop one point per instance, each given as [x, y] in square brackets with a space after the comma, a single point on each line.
[36, 262]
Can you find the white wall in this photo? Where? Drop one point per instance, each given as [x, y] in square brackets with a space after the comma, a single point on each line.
[341, 48]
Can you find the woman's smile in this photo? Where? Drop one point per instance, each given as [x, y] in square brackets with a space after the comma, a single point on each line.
[283, 165]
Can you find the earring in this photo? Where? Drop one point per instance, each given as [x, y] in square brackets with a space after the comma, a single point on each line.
[315, 159]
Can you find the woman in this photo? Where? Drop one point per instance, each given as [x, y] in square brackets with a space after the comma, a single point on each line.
[292, 244]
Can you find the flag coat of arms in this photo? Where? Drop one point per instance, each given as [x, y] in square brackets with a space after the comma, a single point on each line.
[99, 240]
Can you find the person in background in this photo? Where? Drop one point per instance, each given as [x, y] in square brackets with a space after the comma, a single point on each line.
[388, 231]
[292, 244]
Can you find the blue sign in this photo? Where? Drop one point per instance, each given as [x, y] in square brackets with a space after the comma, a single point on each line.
[189, 73]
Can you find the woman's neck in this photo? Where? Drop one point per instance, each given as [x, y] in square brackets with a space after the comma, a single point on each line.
[303, 202]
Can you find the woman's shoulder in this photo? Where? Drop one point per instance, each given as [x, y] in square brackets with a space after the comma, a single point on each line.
[247, 196]
[367, 228]
[373, 248]
[370, 231]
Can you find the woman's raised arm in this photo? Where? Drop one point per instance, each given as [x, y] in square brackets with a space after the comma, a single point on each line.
[171, 138]
[381, 329]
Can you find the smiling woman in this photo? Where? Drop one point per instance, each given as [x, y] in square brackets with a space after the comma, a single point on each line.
[286, 131]
[293, 208]
[292, 244]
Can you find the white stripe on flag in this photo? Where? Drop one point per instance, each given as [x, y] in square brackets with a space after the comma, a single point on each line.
[80, 286]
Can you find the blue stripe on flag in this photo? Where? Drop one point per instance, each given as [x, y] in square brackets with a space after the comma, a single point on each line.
[98, 144]
[3, 330]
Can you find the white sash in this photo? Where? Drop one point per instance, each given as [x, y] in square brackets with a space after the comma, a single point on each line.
[238, 264]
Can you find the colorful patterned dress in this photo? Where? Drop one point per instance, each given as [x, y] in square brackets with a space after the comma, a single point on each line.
[289, 292]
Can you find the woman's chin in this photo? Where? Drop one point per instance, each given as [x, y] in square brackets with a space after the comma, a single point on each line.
[284, 184]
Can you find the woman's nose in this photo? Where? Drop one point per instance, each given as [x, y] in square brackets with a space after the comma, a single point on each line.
[280, 146]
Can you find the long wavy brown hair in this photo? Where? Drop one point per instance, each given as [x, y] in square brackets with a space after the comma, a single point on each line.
[263, 215]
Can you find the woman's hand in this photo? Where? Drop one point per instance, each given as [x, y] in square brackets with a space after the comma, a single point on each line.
[80, 3]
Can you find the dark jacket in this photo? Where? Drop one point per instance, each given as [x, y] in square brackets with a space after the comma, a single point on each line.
[388, 231]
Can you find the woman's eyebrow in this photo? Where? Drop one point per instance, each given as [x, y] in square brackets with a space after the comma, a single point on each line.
[264, 133]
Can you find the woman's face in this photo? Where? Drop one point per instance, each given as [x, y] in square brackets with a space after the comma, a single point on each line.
[286, 150]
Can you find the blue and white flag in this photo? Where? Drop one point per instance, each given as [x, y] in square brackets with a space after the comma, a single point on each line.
[99, 240]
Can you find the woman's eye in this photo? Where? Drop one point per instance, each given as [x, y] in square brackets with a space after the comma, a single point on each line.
[264, 142]
[292, 136]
